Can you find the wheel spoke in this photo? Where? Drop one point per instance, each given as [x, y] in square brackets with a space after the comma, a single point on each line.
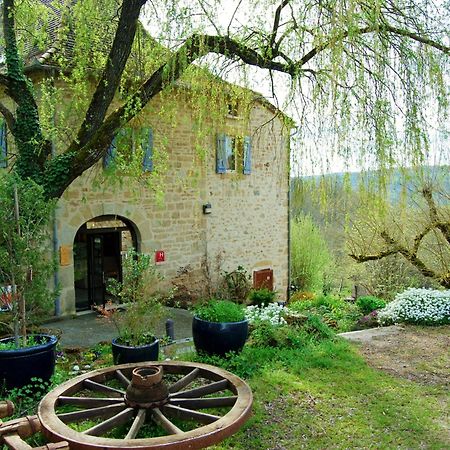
[136, 425]
[162, 420]
[203, 390]
[183, 382]
[189, 414]
[199, 403]
[102, 411]
[88, 402]
[122, 378]
[94, 386]
[115, 421]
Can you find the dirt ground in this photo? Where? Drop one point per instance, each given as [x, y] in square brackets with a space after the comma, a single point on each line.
[421, 354]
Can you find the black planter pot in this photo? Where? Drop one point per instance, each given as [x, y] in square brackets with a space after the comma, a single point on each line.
[219, 338]
[123, 354]
[18, 367]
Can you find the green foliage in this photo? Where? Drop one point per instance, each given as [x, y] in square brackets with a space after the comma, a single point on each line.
[10, 344]
[26, 398]
[264, 334]
[25, 255]
[335, 312]
[310, 258]
[220, 311]
[368, 303]
[260, 297]
[143, 303]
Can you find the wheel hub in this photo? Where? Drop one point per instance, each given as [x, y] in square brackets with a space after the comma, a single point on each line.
[147, 388]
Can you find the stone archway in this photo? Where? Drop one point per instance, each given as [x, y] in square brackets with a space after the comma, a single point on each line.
[98, 250]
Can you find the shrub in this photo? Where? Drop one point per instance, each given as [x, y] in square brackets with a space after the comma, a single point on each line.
[283, 336]
[272, 313]
[220, 311]
[368, 321]
[302, 295]
[236, 285]
[368, 303]
[422, 306]
[310, 257]
[261, 296]
[316, 329]
[336, 312]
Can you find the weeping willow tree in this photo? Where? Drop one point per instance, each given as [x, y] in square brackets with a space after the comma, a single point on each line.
[366, 71]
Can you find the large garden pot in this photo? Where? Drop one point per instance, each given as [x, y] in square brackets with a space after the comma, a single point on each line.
[219, 338]
[19, 366]
[123, 354]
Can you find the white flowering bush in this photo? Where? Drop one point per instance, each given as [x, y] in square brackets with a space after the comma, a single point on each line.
[426, 306]
[272, 313]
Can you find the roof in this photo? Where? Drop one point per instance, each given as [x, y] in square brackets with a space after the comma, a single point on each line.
[39, 60]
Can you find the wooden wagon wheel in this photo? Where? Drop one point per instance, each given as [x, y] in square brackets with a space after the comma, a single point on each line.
[185, 405]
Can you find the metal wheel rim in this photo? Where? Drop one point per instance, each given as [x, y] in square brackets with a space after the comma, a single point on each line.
[201, 437]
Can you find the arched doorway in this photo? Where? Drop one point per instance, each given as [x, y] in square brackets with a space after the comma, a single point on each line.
[99, 248]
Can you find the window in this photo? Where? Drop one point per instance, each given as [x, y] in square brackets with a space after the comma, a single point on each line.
[146, 136]
[233, 154]
[126, 140]
[3, 145]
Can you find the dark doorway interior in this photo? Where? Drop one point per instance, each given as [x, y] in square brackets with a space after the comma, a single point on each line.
[99, 247]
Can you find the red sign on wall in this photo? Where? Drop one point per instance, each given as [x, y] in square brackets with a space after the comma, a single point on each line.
[160, 256]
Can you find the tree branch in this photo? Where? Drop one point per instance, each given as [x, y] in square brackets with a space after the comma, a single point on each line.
[372, 29]
[110, 79]
[27, 129]
[8, 115]
[197, 46]
[444, 227]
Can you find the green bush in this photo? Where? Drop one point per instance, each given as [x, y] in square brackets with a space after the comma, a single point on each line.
[220, 311]
[368, 303]
[267, 335]
[335, 312]
[311, 261]
[260, 297]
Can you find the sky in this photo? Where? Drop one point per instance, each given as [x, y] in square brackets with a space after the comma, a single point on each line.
[310, 155]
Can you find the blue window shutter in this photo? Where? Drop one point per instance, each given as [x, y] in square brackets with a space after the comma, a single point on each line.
[110, 153]
[247, 166]
[3, 145]
[221, 154]
[147, 148]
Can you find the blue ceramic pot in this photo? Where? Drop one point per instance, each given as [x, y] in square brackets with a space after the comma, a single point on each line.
[219, 338]
[19, 366]
[123, 354]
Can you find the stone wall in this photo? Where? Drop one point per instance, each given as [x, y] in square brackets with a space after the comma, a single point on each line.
[248, 225]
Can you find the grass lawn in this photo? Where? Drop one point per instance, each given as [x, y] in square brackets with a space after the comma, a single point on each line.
[327, 397]
[323, 395]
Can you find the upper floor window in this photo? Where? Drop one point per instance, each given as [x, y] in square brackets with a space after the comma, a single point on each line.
[128, 140]
[233, 154]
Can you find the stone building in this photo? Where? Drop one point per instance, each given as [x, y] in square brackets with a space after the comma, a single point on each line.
[233, 212]
[222, 201]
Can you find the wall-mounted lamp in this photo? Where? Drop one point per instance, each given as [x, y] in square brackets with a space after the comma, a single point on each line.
[207, 208]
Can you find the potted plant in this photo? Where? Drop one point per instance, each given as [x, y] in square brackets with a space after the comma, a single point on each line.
[219, 327]
[142, 310]
[25, 270]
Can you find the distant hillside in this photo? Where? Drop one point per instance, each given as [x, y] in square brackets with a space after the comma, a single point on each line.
[398, 182]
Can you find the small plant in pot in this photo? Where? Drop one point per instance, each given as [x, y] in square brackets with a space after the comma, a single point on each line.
[219, 327]
[142, 310]
[25, 270]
